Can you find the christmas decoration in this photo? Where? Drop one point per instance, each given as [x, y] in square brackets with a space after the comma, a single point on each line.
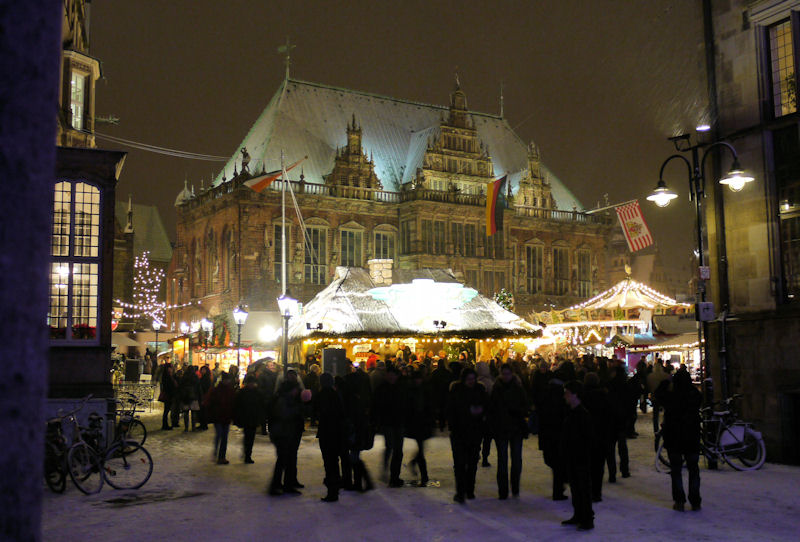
[146, 285]
[505, 299]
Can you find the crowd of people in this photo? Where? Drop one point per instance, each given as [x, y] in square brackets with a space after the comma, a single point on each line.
[583, 410]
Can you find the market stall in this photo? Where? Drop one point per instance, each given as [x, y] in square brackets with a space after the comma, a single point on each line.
[426, 309]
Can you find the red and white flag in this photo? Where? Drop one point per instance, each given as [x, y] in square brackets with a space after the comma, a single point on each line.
[262, 181]
[637, 234]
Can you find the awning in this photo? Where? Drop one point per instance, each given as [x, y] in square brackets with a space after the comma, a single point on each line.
[121, 339]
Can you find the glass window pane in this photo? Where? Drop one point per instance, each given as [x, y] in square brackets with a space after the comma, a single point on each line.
[61, 219]
[84, 300]
[59, 292]
[87, 220]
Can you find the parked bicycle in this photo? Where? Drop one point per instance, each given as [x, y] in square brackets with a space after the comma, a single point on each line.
[55, 451]
[129, 426]
[123, 464]
[724, 438]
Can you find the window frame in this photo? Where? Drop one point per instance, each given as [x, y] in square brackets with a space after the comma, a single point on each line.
[316, 273]
[73, 261]
[358, 246]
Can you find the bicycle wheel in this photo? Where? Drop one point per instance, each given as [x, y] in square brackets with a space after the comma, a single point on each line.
[751, 455]
[54, 474]
[85, 468]
[127, 465]
[132, 429]
[662, 459]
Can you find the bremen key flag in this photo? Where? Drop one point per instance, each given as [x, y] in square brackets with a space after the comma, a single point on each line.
[637, 234]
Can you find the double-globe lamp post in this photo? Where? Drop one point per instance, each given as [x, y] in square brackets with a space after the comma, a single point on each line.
[239, 316]
[157, 324]
[735, 179]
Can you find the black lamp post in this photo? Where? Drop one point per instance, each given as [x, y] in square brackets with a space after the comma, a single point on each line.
[289, 307]
[239, 316]
[735, 179]
[156, 326]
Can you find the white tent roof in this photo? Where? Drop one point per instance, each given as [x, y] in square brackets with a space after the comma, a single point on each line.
[353, 306]
[628, 294]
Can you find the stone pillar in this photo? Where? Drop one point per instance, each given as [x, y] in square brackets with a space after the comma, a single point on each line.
[380, 271]
[30, 48]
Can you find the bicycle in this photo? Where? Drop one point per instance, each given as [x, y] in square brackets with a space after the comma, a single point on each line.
[129, 426]
[724, 437]
[55, 473]
[123, 464]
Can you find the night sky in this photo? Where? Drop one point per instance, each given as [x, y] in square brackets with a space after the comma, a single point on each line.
[598, 84]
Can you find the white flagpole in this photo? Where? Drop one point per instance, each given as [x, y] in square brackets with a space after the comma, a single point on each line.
[283, 227]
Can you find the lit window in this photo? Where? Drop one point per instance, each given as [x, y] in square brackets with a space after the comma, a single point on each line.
[77, 99]
[561, 270]
[784, 91]
[316, 272]
[584, 273]
[75, 247]
[534, 269]
[351, 248]
[384, 246]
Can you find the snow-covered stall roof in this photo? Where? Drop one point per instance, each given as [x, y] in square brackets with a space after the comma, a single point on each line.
[628, 294]
[353, 306]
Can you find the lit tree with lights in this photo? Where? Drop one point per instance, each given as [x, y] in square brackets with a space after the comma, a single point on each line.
[147, 282]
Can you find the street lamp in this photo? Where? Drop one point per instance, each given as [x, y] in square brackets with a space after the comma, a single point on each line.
[207, 326]
[156, 326]
[289, 307]
[187, 347]
[735, 179]
[239, 316]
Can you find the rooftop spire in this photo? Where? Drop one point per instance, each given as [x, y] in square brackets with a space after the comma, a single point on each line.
[286, 51]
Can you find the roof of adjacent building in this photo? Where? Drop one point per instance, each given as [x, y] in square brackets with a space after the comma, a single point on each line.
[309, 119]
[149, 233]
[354, 306]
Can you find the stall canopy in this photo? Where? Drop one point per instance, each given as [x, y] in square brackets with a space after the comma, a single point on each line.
[629, 294]
[417, 302]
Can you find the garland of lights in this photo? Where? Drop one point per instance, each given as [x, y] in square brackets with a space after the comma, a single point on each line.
[631, 287]
[505, 299]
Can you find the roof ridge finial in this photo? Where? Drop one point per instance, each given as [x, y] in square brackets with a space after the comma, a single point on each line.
[458, 82]
[286, 51]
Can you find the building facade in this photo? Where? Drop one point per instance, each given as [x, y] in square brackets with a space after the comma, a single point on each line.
[757, 231]
[383, 179]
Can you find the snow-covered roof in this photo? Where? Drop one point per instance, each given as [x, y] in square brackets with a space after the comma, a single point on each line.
[628, 294]
[149, 233]
[309, 119]
[353, 306]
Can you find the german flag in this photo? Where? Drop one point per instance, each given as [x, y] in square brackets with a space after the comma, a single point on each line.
[495, 203]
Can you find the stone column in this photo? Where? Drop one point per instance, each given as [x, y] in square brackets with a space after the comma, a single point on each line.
[30, 48]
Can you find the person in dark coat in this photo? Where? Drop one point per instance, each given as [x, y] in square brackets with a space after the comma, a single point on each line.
[267, 376]
[357, 396]
[467, 404]
[618, 424]
[551, 421]
[205, 387]
[248, 413]
[508, 406]
[329, 410]
[389, 405]
[420, 421]
[681, 433]
[576, 446]
[285, 426]
[219, 404]
[311, 382]
[595, 399]
[440, 379]
[189, 396]
[167, 394]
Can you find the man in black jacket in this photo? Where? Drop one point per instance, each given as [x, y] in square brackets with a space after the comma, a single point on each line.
[595, 399]
[441, 378]
[329, 410]
[681, 432]
[389, 408]
[466, 412]
[507, 408]
[576, 444]
[249, 413]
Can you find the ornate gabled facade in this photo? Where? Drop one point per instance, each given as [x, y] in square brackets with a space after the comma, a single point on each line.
[352, 167]
[456, 159]
[384, 179]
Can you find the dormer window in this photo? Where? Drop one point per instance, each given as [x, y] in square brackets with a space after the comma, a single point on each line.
[77, 100]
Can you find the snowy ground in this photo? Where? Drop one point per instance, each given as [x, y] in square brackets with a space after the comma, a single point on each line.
[191, 498]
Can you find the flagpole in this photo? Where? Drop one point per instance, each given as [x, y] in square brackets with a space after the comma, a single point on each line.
[285, 349]
[610, 206]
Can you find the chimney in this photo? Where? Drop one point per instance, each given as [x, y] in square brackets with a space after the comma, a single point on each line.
[380, 271]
